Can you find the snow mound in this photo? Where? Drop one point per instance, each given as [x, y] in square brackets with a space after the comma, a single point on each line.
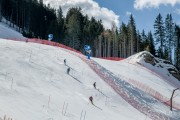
[160, 66]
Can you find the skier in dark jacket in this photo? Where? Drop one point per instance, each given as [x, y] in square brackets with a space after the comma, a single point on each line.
[91, 100]
[65, 61]
[94, 85]
[68, 70]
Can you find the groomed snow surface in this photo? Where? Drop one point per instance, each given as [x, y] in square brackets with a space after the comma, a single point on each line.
[130, 69]
[35, 86]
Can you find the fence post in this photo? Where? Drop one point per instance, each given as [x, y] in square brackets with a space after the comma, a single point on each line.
[66, 109]
[81, 114]
[49, 101]
[63, 108]
[172, 97]
[12, 84]
[84, 115]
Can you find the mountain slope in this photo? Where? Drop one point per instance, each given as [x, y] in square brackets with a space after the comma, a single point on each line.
[144, 79]
[9, 33]
[34, 85]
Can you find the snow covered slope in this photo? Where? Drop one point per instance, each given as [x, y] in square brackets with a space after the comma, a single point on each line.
[34, 85]
[136, 69]
[163, 67]
[9, 33]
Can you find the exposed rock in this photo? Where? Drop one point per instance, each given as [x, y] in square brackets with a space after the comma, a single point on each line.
[160, 63]
[174, 72]
[148, 58]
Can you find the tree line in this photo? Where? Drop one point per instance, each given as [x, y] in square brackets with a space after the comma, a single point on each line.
[35, 20]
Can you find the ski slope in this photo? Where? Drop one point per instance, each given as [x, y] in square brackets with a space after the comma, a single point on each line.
[9, 33]
[130, 69]
[35, 85]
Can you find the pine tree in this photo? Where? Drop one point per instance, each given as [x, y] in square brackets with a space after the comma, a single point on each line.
[151, 44]
[61, 26]
[1, 10]
[140, 42]
[132, 33]
[73, 26]
[159, 34]
[114, 35]
[166, 53]
[145, 41]
[177, 48]
[86, 32]
[169, 32]
[124, 41]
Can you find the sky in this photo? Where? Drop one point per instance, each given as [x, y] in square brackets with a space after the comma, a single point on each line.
[118, 11]
[144, 11]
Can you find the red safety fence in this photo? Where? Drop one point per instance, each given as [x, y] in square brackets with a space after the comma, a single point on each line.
[151, 92]
[46, 42]
[112, 58]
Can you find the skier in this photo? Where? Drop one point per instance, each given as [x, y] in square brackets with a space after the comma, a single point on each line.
[94, 85]
[91, 99]
[65, 61]
[68, 70]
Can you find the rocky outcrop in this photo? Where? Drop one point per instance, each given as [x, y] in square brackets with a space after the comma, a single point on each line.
[160, 63]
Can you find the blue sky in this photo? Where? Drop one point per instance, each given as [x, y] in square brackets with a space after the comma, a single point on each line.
[117, 11]
[144, 17]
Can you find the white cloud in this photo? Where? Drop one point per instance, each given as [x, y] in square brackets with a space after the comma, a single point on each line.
[128, 13]
[141, 4]
[177, 11]
[89, 7]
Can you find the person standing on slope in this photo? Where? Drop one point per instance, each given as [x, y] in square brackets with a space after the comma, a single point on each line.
[65, 61]
[68, 70]
[91, 100]
[94, 84]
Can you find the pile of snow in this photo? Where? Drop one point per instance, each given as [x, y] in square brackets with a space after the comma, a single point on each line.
[8, 32]
[162, 67]
[34, 85]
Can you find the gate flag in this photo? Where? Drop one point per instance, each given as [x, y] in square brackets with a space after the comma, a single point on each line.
[87, 48]
[50, 37]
